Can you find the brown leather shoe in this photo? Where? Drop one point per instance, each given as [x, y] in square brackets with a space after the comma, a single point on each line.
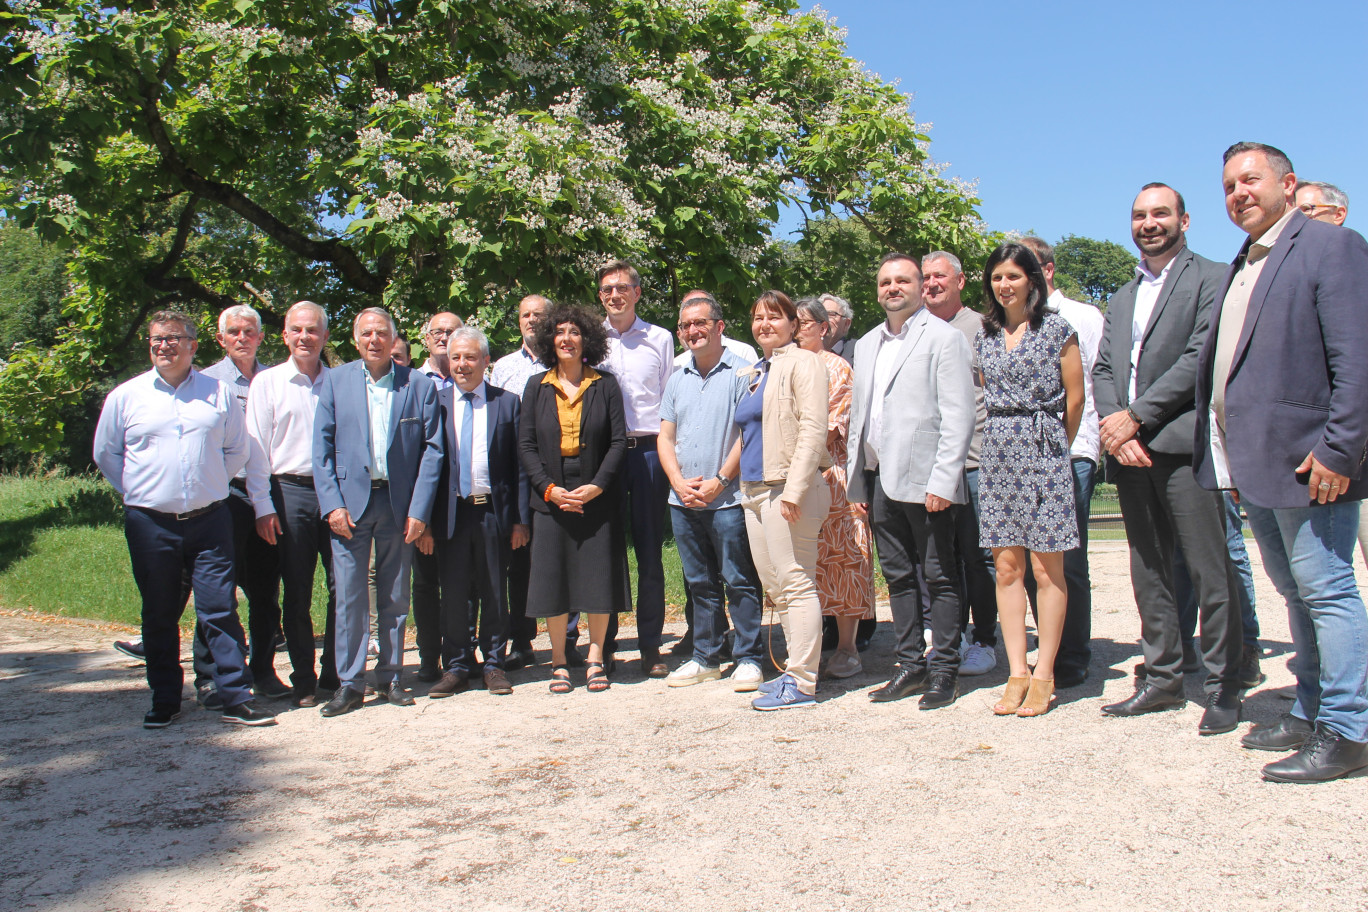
[304, 701]
[652, 666]
[451, 683]
[496, 682]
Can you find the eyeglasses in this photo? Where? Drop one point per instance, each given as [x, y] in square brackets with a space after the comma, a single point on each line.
[167, 341]
[696, 324]
[606, 291]
[1310, 208]
[441, 333]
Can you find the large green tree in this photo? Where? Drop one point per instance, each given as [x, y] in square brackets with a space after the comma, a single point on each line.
[1094, 268]
[427, 154]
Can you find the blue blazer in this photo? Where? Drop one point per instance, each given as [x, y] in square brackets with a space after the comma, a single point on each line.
[341, 453]
[507, 481]
[1299, 376]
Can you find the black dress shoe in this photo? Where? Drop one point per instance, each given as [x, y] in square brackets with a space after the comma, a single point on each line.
[272, 688]
[1251, 675]
[521, 656]
[427, 673]
[247, 714]
[343, 701]
[1287, 734]
[1324, 755]
[1070, 677]
[906, 681]
[1222, 712]
[161, 715]
[1148, 698]
[942, 691]
[394, 692]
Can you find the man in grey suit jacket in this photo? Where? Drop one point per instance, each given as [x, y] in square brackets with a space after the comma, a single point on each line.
[1143, 381]
[376, 464]
[912, 418]
[1282, 418]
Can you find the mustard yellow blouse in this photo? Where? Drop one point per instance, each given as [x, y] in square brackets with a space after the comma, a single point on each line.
[569, 409]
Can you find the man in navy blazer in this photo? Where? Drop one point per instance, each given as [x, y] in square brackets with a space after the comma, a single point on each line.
[376, 463]
[482, 515]
[1282, 419]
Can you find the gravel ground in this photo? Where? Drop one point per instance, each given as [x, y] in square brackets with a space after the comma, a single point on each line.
[651, 798]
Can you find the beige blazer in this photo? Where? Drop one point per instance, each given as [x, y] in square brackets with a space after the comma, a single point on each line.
[797, 399]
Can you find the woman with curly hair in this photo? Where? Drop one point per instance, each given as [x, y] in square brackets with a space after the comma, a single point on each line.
[572, 441]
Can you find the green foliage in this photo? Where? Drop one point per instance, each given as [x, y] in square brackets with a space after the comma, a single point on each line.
[1092, 270]
[430, 155]
[32, 284]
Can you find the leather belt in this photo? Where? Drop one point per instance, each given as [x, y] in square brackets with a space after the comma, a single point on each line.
[635, 442]
[475, 499]
[377, 485]
[239, 483]
[182, 517]
[305, 481]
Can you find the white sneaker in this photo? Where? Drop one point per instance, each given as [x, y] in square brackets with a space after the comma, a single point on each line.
[691, 672]
[746, 677]
[977, 660]
[844, 665]
[373, 648]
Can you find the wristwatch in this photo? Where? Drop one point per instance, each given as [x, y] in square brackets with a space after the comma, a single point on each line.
[722, 479]
[1133, 417]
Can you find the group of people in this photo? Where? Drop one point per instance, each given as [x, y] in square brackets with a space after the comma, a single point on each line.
[962, 444]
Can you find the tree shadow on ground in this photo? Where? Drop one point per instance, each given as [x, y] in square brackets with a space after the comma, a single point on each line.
[96, 506]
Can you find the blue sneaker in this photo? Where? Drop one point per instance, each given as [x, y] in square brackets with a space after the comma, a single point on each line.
[770, 686]
[785, 696]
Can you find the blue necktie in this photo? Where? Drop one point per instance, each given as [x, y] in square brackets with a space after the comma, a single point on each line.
[467, 454]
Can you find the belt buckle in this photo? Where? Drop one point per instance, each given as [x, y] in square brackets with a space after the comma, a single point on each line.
[478, 499]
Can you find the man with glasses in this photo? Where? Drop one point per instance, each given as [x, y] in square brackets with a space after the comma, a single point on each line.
[698, 454]
[839, 317]
[641, 356]
[738, 348]
[427, 595]
[1322, 201]
[170, 441]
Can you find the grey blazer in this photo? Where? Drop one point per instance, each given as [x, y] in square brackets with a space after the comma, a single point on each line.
[1167, 377]
[928, 414]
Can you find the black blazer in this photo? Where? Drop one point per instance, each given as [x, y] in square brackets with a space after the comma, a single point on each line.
[507, 481]
[603, 436]
[1299, 376]
[1167, 374]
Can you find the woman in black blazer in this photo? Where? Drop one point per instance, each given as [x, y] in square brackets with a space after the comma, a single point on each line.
[572, 442]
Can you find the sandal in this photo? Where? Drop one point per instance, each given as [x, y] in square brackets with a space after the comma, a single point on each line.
[560, 680]
[596, 679]
[1037, 702]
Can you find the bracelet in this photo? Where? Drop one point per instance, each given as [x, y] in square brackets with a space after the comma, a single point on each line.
[1133, 417]
[549, 488]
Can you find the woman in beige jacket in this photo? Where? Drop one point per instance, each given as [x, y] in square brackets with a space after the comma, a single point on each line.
[783, 419]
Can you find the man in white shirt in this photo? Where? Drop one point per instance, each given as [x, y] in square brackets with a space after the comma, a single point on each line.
[169, 441]
[1075, 649]
[280, 426]
[1145, 383]
[641, 356]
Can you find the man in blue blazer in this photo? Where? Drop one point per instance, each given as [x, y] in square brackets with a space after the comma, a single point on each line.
[482, 515]
[377, 459]
[1282, 419]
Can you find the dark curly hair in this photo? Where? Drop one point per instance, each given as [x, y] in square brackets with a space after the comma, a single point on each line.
[591, 331]
[1022, 257]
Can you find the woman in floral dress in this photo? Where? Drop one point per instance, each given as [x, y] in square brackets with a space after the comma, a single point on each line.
[1033, 387]
[845, 569]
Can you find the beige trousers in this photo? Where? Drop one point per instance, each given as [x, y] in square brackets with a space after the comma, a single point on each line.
[785, 556]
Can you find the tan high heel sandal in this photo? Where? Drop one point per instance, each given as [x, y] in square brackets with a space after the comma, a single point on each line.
[1012, 696]
[1037, 702]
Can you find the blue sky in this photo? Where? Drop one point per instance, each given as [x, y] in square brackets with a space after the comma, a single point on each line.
[1062, 110]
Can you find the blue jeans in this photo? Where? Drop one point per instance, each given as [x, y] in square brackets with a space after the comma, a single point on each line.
[1308, 553]
[1239, 556]
[714, 553]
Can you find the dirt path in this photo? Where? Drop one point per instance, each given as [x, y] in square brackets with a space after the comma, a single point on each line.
[647, 798]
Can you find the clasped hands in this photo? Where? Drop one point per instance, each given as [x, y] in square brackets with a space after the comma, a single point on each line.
[1118, 436]
[574, 501]
[698, 492]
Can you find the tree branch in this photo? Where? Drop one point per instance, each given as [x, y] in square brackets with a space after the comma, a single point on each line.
[342, 258]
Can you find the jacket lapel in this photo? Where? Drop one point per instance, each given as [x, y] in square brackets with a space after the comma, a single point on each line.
[914, 336]
[1259, 293]
[402, 389]
[1175, 274]
[1122, 311]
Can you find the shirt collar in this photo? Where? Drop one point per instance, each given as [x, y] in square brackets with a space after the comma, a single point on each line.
[295, 372]
[479, 392]
[1148, 276]
[886, 336]
[1270, 237]
[590, 375]
[156, 379]
[638, 325]
[230, 364]
[385, 382]
[430, 370]
[728, 359]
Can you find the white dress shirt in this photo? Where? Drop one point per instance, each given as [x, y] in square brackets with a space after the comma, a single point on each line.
[280, 427]
[171, 449]
[890, 347]
[479, 435]
[642, 359]
[379, 403]
[1146, 296]
[1087, 321]
[512, 371]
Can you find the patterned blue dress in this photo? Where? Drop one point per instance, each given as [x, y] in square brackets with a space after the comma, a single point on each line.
[1026, 486]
